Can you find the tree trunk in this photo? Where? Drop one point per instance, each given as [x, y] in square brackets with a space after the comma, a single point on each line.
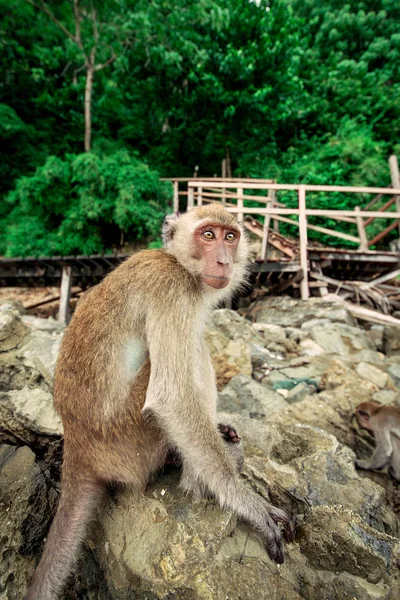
[88, 106]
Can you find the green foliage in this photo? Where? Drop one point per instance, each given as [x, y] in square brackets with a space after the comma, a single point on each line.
[296, 90]
[82, 204]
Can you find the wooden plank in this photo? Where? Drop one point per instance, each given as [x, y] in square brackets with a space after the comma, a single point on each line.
[395, 177]
[65, 294]
[190, 201]
[240, 205]
[264, 244]
[382, 279]
[332, 232]
[361, 230]
[383, 233]
[261, 199]
[199, 196]
[305, 292]
[274, 267]
[223, 198]
[383, 208]
[372, 202]
[370, 315]
[176, 196]
[295, 187]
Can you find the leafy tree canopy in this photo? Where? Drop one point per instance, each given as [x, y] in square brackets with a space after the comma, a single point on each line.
[297, 90]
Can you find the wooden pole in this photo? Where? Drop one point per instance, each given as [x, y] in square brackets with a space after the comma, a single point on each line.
[223, 173]
[240, 205]
[361, 230]
[190, 200]
[199, 196]
[65, 294]
[305, 292]
[176, 196]
[395, 177]
[264, 244]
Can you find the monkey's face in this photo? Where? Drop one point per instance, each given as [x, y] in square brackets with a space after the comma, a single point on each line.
[363, 415]
[215, 245]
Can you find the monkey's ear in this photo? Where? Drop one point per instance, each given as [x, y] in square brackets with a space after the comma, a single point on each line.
[168, 228]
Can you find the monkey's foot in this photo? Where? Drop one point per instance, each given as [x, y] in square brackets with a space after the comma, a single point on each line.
[288, 526]
[229, 434]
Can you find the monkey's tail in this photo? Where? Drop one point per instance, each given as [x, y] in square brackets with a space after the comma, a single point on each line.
[77, 503]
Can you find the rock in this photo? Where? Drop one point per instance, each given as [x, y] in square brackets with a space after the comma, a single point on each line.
[270, 333]
[39, 324]
[342, 339]
[391, 340]
[192, 549]
[288, 312]
[16, 304]
[12, 330]
[26, 506]
[230, 354]
[378, 377]
[332, 410]
[246, 397]
[308, 370]
[394, 372]
[386, 397]
[368, 356]
[299, 392]
[375, 334]
[41, 350]
[260, 356]
[29, 411]
[333, 538]
[310, 348]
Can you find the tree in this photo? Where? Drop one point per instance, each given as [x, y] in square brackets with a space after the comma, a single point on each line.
[88, 45]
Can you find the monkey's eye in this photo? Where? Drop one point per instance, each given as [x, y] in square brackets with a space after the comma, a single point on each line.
[364, 414]
[230, 236]
[208, 235]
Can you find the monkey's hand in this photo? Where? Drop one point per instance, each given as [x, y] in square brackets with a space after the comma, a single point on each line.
[229, 434]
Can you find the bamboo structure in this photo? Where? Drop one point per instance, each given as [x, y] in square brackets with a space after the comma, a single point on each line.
[237, 193]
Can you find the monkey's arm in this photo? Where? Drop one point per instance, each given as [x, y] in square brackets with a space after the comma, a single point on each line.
[382, 453]
[181, 410]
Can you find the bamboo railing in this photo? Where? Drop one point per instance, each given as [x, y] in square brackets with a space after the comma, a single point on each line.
[231, 193]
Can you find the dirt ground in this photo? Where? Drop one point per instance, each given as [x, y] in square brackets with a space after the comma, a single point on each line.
[29, 298]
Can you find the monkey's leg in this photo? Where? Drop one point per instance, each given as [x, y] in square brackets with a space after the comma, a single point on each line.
[381, 455]
[78, 499]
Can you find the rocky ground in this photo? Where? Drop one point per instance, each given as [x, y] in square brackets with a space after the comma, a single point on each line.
[289, 382]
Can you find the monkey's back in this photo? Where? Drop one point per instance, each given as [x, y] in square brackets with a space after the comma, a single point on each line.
[92, 380]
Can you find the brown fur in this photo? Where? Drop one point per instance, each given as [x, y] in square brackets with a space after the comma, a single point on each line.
[384, 423]
[121, 417]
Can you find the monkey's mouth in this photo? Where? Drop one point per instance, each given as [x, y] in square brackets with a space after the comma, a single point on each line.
[216, 281]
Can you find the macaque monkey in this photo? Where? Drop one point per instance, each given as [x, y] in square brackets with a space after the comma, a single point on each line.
[384, 423]
[134, 380]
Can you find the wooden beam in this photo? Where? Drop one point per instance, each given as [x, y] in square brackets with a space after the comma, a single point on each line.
[383, 233]
[65, 294]
[361, 230]
[190, 201]
[382, 279]
[305, 292]
[240, 205]
[382, 209]
[176, 197]
[200, 196]
[295, 187]
[395, 177]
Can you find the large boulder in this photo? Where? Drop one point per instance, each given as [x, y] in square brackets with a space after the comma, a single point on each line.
[288, 312]
[163, 544]
[246, 397]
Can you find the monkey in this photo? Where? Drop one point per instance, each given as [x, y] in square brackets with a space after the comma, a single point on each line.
[384, 423]
[134, 379]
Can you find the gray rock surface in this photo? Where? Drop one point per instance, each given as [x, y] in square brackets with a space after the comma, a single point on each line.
[248, 398]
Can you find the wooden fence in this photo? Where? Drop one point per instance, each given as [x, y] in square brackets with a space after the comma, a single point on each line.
[231, 193]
